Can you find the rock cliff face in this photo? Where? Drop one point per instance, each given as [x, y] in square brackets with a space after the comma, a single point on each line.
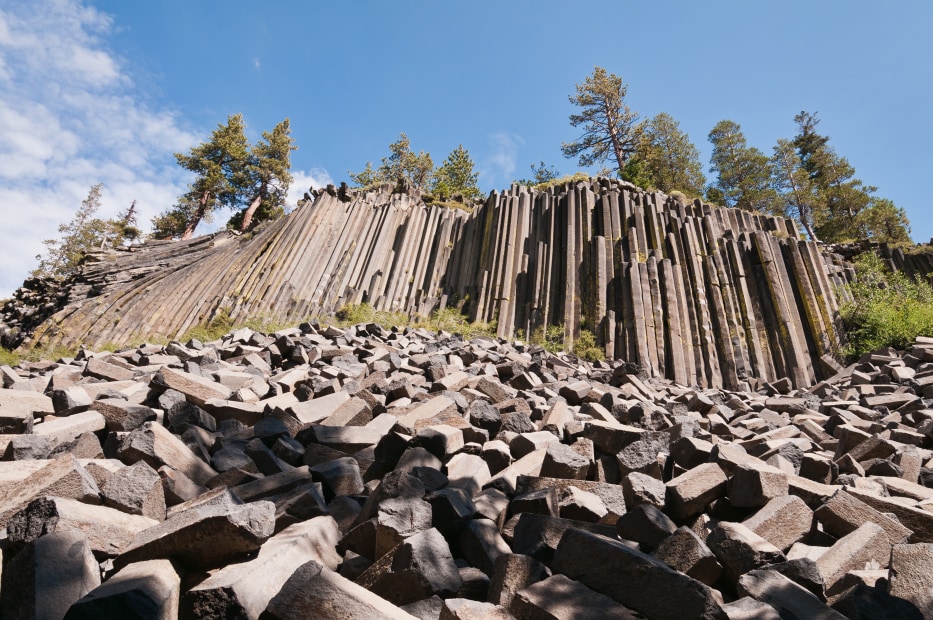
[699, 294]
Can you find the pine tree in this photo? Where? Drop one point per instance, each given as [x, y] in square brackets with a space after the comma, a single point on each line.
[844, 208]
[665, 159]
[456, 176]
[743, 174]
[367, 177]
[219, 164]
[127, 226]
[808, 143]
[401, 168]
[610, 128]
[796, 190]
[251, 181]
[173, 222]
[266, 176]
[540, 173]
[402, 165]
[82, 234]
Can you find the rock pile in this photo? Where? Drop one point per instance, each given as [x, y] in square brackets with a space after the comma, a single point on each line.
[370, 473]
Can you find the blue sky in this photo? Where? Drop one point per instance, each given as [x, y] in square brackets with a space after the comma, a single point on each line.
[106, 90]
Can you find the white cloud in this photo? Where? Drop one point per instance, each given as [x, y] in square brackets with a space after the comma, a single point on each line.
[303, 181]
[69, 119]
[256, 64]
[498, 166]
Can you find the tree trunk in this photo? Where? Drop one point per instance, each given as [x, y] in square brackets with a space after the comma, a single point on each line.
[615, 139]
[248, 214]
[199, 214]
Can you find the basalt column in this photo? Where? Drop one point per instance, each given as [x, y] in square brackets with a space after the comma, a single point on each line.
[702, 295]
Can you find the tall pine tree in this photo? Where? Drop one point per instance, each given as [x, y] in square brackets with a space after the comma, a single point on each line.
[218, 164]
[743, 173]
[456, 176]
[83, 234]
[402, 167]
[796, 191]
[843, 208]
[610, 127]
[665, 159]
[251, 181]
[266, 177]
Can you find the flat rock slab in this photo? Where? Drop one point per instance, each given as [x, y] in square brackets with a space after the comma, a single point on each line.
[197, 389]
[47, 576]
[689, 493]
[782, 521]
[63, 430]
[917, 520]
[108, 531]
[852, 552]
[912, 575]
[466, 609]
[314, 591]
[144, 590]
[419, 567]
[639, 582]
[205, 536]
[845, 513]
[560, 598]
[62, 477]
[121, 415]
[26, 400]
[102, 369]
[245, 589]
[318, 409]
[790, 599]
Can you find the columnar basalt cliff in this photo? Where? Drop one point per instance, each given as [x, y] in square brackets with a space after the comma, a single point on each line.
[699, 294]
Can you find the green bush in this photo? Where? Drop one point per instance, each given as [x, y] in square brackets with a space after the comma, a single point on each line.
[451, 320]
[585, 347]
[8, 358]
[549, 337]
[214, 329]
[887, 309]
[355, 314]
[14, 358]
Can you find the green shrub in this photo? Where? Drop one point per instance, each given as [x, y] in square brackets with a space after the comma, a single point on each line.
[451, 320]
[14, 358]
[548, 337]
[680, 197]
[354, 314]
[8, 358]
[585, 347]
[214, 329]
[887, 309]
[568, 178]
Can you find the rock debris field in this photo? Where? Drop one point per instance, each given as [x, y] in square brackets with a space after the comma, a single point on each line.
[320, 472]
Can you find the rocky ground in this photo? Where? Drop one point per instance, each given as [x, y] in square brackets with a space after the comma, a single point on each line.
[367, 473]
